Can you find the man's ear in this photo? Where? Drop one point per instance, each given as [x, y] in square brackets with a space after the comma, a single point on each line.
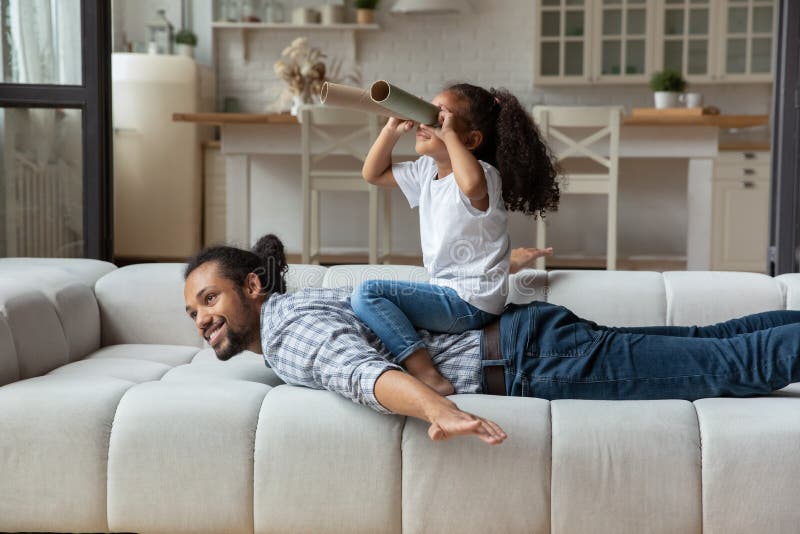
[253, 287]
[473, 140]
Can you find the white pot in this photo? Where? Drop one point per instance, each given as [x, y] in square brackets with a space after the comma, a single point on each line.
[185, 50]
[666, 99]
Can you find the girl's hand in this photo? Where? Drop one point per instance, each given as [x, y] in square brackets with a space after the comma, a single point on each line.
[447, 120]
[398, 126]
[525, 258]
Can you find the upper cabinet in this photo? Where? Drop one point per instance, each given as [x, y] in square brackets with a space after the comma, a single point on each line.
[747, 40]
[621, 41]
[684, 38]
[621, 45]
[562, 53]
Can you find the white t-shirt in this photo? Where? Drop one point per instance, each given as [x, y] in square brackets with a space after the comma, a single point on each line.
[463, 247]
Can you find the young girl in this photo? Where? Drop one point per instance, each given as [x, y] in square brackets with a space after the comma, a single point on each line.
[485, 158]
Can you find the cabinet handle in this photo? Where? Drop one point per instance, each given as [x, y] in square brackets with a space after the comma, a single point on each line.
[749, 155]
[747, 184]
[749, 172]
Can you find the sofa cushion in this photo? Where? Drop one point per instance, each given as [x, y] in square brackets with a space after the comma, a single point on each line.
[324, 464]
[791, 289]
[86, 270]
[73, 300]
[181, 460]
[9, 367]
[38, 337]
[464, 485]
[352, 275]
[620, 465]
[144, 304]
[53, 452]
[206, 367]
[526, 286]
[704, 298]
[750, 463]
[302, 276]
[132, 370]
[612, 298]
[171, 355]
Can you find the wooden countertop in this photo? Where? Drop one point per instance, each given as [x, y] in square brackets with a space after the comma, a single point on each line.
[218, 119]
[721, 121]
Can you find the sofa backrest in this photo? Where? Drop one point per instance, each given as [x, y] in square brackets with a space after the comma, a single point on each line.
[48, 314]
[144, 303]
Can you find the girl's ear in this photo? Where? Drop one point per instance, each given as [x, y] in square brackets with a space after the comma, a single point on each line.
[473, 140]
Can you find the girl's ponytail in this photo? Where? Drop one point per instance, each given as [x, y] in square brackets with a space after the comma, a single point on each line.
[272, 259]
[511, 142]
[527, 167]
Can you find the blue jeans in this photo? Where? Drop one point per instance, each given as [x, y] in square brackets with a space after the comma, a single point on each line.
[395, 309]
[551, 353]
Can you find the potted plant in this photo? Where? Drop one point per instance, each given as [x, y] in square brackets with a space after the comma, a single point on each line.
[186, 41]
[667, 85]
[365, 11]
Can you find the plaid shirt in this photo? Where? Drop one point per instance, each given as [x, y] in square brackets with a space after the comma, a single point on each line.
[313, 338]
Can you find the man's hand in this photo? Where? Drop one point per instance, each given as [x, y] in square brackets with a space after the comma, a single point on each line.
[525, 258]
[454, 422]
[401, 393]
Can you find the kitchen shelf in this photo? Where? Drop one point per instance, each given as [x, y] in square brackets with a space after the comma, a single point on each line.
[290, 26]
[244, 27]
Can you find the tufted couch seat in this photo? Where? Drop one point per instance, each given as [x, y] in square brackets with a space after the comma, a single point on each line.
[115, 418]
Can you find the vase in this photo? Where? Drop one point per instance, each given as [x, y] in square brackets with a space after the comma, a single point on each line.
[666, 99]
[365, 16]
[185, 50]
[299, 100]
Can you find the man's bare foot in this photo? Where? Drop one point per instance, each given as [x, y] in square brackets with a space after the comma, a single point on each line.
[525, 258]
[419, 366]
[454, 422]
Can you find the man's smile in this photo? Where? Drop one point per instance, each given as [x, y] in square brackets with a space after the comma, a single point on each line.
[214, 332]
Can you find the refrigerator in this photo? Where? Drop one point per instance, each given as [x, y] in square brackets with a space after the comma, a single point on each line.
[157, 162]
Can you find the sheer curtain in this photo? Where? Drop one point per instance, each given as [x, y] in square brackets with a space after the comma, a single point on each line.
[43, 42]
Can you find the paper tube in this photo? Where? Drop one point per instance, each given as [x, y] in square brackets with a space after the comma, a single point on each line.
[403, 103]
[345, 96]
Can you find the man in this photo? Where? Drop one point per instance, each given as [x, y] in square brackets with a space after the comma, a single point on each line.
[312, 338]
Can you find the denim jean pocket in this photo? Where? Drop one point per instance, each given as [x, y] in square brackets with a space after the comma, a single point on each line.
[569, 341]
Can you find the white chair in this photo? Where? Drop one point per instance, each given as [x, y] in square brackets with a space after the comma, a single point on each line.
[556, 124]
[327, 132]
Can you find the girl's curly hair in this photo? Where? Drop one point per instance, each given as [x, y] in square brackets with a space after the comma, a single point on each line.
[512, 144]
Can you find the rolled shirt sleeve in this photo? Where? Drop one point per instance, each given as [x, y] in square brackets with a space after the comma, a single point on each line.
[307, 345]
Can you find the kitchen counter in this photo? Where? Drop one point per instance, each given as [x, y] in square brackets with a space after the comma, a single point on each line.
[720, 121]
[264, 149]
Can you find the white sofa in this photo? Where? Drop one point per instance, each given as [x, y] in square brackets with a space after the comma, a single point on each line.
[113, 417]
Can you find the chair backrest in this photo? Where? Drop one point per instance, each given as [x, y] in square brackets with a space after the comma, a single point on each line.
[565, 127]
[330, 131]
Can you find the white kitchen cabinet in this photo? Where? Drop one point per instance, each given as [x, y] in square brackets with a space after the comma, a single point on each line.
[740, 219]
[621, 47]
[562, 51]
[583, 42]
[685, 38]
[747, 40]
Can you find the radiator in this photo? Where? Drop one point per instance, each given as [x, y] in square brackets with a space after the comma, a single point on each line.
[37, 211]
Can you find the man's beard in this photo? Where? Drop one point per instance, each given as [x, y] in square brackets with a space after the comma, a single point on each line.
[234, 343]
[237, 341]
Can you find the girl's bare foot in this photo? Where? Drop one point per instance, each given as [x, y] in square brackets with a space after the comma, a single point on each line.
[419, 366]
